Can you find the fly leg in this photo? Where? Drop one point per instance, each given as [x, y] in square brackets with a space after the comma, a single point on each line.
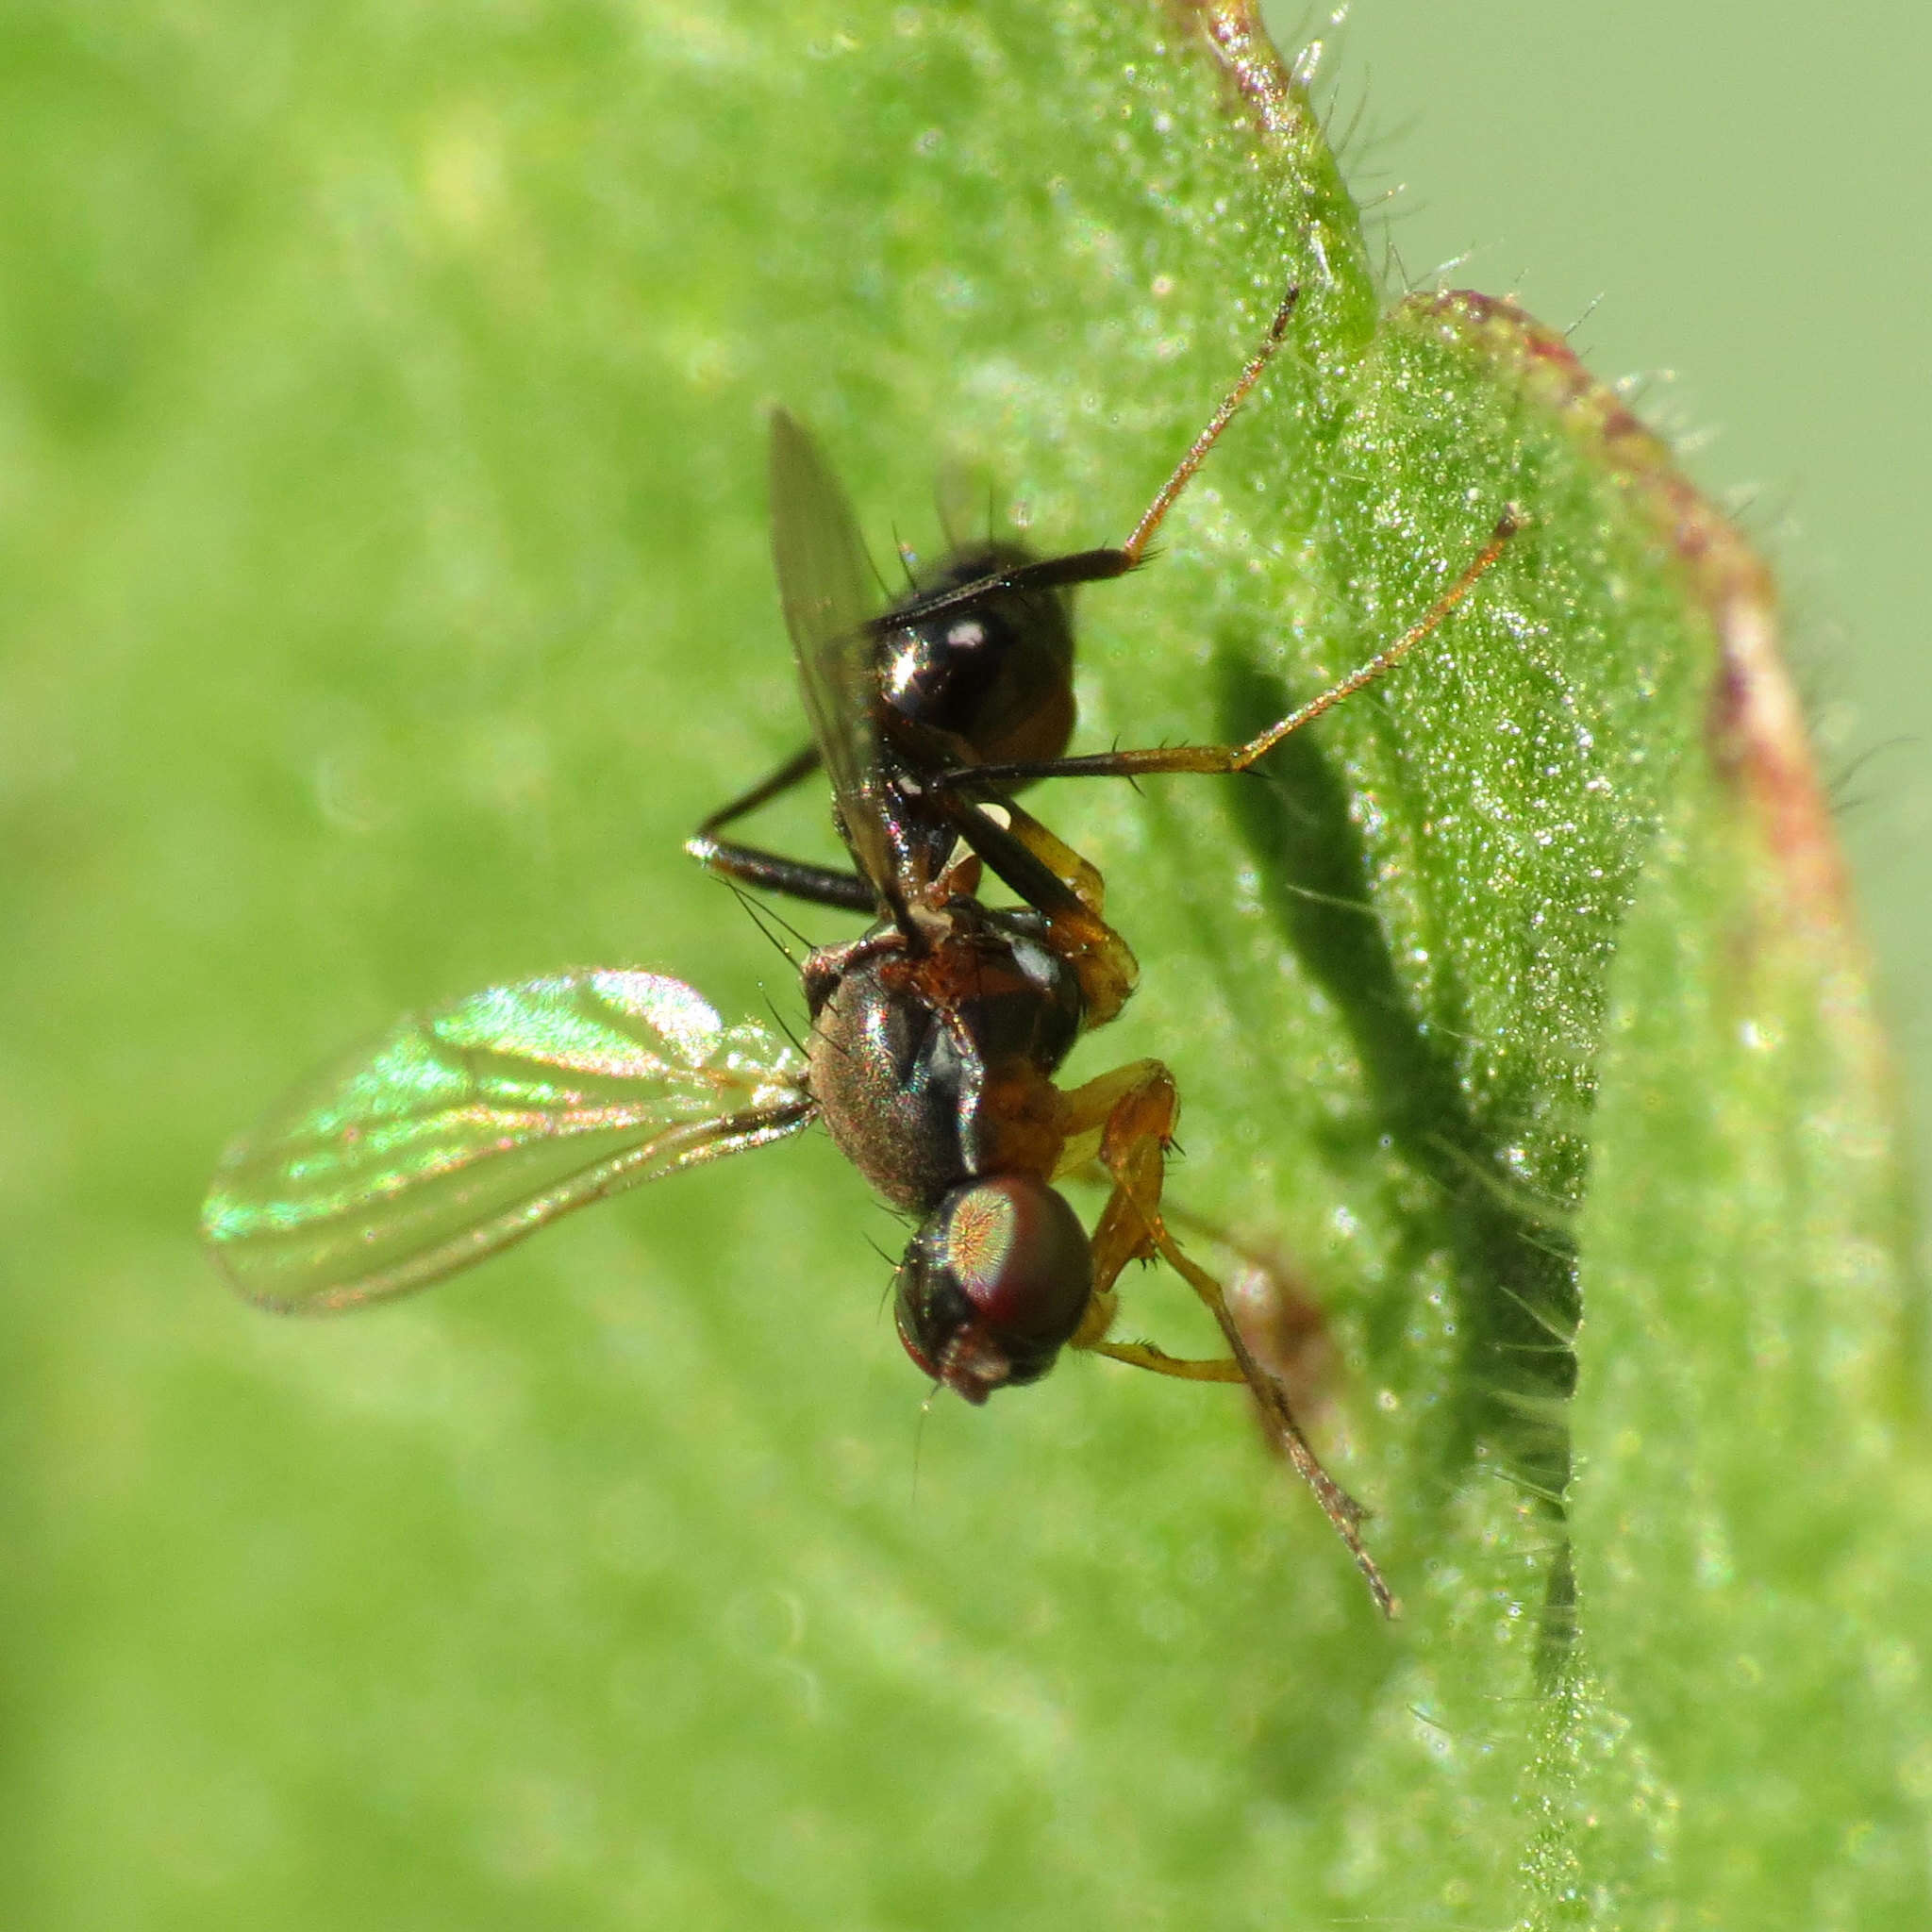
[1133, 1109]
[1238, 758]
[1123, 1123]
[1056, 881]
[752, 865]
[1097, 566]
[1285, 1325]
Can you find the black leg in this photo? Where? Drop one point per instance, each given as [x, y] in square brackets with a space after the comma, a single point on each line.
[801, 765]
[819, 885]
[1044, 574]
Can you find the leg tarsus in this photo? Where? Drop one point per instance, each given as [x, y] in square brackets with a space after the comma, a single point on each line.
[1143, 1355]
[1341, 1509]
[1136, 1106]
[1136, 545]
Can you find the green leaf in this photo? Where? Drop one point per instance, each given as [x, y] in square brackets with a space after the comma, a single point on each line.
[387, 550]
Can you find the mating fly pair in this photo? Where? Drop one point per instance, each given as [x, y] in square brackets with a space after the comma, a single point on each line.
[935, 1037]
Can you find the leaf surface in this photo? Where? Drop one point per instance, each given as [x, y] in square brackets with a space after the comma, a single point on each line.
[388, 456]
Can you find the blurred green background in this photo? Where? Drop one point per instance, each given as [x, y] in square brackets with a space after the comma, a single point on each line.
[384, 596]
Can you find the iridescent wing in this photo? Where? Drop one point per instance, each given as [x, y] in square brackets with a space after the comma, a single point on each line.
[823, 586]
[464, 1130]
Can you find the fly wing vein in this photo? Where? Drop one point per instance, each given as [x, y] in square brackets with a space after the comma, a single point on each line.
[463, 1131]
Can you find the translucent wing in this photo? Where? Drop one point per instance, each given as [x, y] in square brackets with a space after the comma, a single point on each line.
[823, 586]
[466, 1129]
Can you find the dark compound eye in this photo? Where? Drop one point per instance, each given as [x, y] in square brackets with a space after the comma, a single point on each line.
[994, 1285]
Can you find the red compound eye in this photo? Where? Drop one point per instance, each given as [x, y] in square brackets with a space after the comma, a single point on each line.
[994, 1285]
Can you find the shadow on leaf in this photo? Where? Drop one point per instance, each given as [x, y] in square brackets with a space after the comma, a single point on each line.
[1513, 1259]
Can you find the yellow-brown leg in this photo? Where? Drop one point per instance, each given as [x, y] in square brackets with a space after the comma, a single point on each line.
[1238, 758]
[1056, 883]
[1080, 876]
[1341, 1509]
[1105, 962]
[1136, 1104]
[1143, 1355]
[1123, 1119]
